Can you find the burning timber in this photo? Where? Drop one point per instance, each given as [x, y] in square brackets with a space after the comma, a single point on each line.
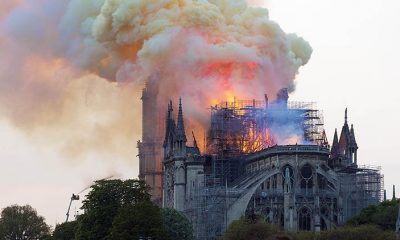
[261, 157]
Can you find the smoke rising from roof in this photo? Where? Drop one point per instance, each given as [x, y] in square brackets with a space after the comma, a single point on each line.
[57, 54]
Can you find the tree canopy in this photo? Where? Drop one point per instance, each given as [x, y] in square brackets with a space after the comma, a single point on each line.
[363, 232]
[254, 228]
[383, 215]
[117, 209]
[104, 203]
[177, 225]
[139, 221]
[65, 231]
[257, 229]
[22, 223]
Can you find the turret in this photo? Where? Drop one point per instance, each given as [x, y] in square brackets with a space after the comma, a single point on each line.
[347, 146]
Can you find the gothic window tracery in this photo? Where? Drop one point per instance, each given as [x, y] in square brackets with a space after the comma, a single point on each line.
[306, 174]
[305, 219]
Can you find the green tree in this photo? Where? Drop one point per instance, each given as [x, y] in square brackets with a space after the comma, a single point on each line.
[177, 225]
[139, 221]
[364, 232]
[22, 223]
[383, 215]
[104, 202]
[254, 228]
[65, 231]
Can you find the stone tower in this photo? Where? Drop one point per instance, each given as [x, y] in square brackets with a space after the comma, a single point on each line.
[150, 148]
[182, 164]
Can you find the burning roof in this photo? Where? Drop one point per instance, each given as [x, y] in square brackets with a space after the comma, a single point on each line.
[247, 126]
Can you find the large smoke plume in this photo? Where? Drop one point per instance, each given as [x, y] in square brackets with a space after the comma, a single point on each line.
[73, 69]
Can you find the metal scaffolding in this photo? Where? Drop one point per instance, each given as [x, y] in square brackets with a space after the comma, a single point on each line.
[208, 212]
[361, 186]
[243, 127]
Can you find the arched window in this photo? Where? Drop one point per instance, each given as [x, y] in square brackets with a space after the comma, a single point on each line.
[305, 219]
[306, 174]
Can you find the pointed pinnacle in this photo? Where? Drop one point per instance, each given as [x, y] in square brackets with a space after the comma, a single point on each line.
[181, 126]
[180, 113]
[194, 140]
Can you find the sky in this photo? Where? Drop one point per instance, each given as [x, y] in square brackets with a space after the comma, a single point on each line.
[354, 64]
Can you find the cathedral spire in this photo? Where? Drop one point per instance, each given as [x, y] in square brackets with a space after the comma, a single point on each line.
[180, 124]
[345, 116]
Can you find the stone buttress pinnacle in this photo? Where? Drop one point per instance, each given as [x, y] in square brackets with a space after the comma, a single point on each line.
[180, 129]
[335, 138]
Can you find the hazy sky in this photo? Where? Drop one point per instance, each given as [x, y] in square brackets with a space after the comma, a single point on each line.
[354, 64]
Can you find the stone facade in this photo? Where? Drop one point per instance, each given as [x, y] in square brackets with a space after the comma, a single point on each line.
[183, 165]
[296, 187]
[303, 195]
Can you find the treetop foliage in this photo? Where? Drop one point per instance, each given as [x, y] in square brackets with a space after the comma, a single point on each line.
[142, 220]
[116, 193]
[258, 229]
[22, 223]
[119, 210]
[176, 224]
[254, 228]
[104, 202]
[383, 215]
[65, 231]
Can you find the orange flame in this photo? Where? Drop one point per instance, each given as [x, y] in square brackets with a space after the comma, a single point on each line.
[225, 74]
[257, 140]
